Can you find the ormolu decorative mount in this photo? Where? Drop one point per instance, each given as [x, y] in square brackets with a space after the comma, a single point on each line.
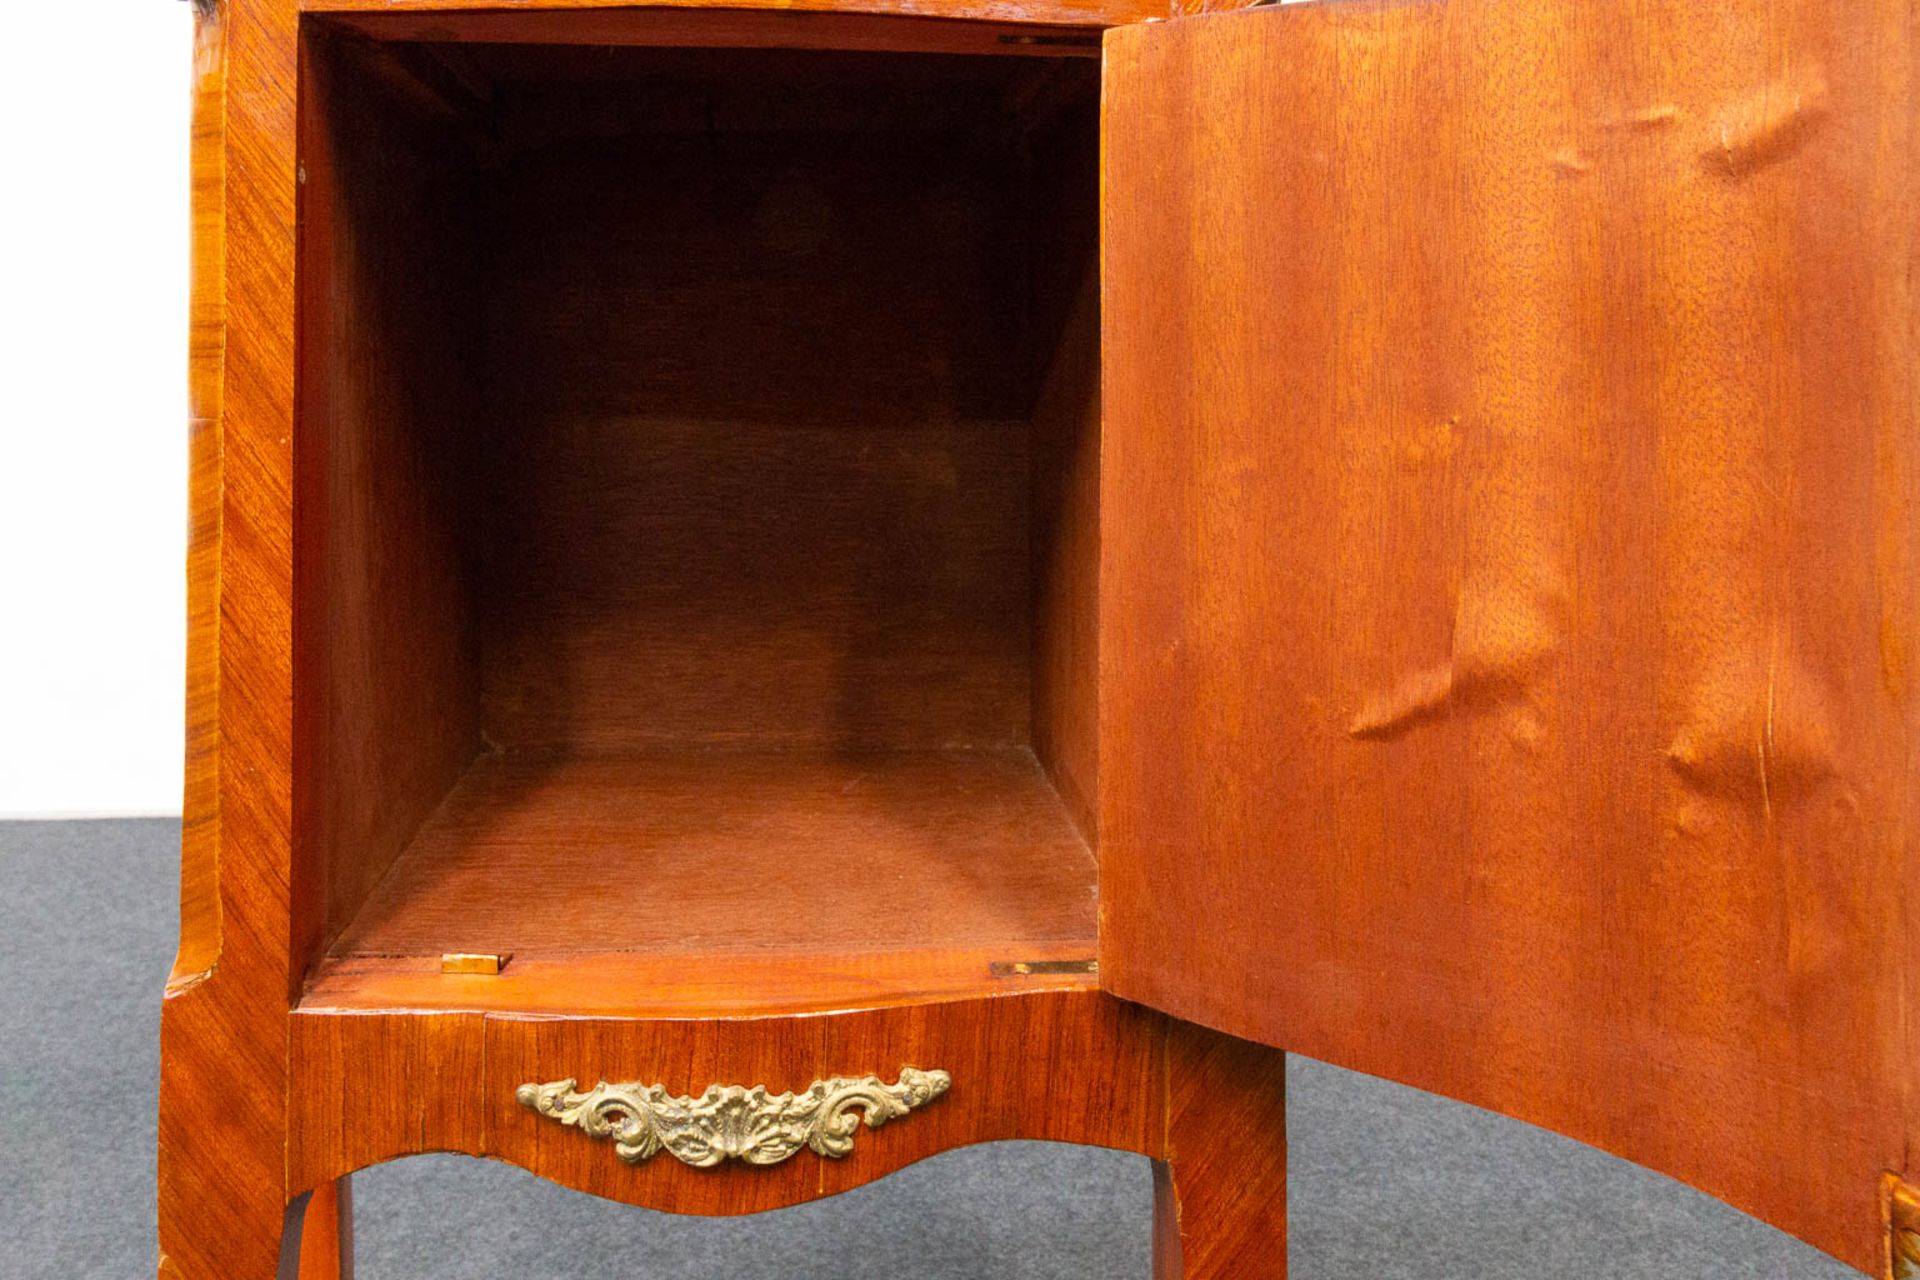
[732, 1122]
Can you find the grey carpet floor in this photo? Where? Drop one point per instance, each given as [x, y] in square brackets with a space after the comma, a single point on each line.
[1386, 1182]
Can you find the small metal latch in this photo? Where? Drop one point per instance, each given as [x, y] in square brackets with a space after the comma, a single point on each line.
[1023, 968]
[473, 962]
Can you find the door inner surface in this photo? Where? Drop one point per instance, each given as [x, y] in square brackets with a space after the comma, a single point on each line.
[1508, 546]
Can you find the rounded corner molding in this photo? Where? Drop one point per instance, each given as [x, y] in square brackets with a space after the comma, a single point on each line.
[732, 1122]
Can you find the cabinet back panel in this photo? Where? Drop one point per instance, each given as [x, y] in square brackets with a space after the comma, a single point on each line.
[757, 462]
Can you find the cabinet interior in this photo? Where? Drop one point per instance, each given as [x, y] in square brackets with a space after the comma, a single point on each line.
[696, 522]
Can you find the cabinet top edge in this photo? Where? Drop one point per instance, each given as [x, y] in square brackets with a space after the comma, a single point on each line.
[615, 22]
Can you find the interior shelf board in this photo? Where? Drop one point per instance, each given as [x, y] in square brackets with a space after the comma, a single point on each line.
[826, 877]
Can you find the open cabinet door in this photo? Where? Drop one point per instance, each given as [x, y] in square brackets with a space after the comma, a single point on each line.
[1507, 623]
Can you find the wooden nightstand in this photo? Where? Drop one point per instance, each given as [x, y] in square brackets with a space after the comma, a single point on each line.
[758, 573]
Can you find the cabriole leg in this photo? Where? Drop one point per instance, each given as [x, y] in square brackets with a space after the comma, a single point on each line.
[220, 1246]
[326, 1237]
[223, 1211]
[1220, 1189]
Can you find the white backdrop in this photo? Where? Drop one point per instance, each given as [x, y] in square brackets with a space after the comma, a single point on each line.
[94, 95]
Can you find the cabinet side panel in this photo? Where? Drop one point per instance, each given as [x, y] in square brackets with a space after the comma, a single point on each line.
[1506, 512]
[221, 1178]
[388, 686]
[1066, 562]
[1064, 186]
[207, 337]
[1898, 577]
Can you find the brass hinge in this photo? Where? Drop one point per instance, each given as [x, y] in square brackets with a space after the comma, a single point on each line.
[473, 962]
[1023, 968]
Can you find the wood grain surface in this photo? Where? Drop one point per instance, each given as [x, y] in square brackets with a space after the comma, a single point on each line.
[1068, 1066]
[1065, 449]
[1507, 553]
[326, 1232]
[729, 853]
[756, 452]
[206, 386]
[1220, 1180]
[736, 454]
[713, 984]
[594, 18]
[223, 1087]
[1505, 623]
[333, 634]
[1058, 1066]
[1050, 31]
[386, 707]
